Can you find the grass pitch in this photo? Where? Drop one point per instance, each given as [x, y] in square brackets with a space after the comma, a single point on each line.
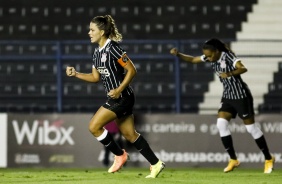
[137, 176]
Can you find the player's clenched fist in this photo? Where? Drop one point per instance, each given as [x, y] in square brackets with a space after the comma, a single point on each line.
[70, 71]
[174, 51]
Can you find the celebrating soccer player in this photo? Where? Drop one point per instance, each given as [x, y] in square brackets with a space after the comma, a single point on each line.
[113, 66]
[236, 98]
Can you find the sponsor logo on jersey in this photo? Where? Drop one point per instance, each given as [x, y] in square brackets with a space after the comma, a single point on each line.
[103, 71]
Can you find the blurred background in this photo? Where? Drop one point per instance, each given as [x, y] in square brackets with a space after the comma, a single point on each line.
[38, 39]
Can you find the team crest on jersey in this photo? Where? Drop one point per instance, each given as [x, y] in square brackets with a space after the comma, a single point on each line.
[222, 64]
[104, 57]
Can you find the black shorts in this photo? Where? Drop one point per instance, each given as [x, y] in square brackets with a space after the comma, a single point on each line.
[122, 106]
[243, 107]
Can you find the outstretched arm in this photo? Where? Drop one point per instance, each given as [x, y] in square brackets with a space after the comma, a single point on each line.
[185, 57]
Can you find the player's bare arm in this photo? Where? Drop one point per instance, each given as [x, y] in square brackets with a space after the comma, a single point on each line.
[130, 73]
[240, 69]
[185, 57]
[89, 77]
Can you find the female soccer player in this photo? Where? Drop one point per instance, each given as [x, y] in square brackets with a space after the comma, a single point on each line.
[113, 66]
[236, 98]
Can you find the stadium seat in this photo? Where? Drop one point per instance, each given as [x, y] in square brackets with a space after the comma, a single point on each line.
[12, 11]
[168, 89]
[4, 67]
[148, 10]
[46, 67]
[9, 91]
[31, 90]
[49, 90]
[122, 12]
[10, 49]
[166, 67]
[5, 31]
[20, 68]
[135, 30]
[147, 89]
[273, 99]
[77, 49]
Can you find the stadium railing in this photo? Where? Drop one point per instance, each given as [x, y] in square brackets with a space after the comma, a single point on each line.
[20, 60]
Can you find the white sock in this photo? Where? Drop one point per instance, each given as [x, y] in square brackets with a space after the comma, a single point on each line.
[103, 135]
[222, 125]
[254, 130]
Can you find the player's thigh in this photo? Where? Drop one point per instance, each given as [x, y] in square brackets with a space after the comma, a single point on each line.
[249, 120]
[227, 110]
[225, 115]
[101, 118]
[127, 128]
[246, 110]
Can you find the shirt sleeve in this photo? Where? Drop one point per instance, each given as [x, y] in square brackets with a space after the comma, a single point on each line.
[117, 52]
[93, 58]
[203, 58]
[119, 55]
[235, 61]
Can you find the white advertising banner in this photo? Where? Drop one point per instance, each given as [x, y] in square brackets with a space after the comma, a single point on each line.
[3, 140]
[180, 140]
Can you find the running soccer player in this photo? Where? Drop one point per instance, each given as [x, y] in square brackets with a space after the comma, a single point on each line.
[236, 98]
[113, 66]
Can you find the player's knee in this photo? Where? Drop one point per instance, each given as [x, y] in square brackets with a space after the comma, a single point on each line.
[222, 126]
[254, 130]
[130, 136]
[94, 129]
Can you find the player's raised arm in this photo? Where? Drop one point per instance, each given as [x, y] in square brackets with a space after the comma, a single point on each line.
[185, 57]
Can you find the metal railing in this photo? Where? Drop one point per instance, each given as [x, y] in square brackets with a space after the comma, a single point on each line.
[17, 50]
[82, 49]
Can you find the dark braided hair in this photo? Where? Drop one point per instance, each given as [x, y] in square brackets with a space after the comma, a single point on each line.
[214, 44]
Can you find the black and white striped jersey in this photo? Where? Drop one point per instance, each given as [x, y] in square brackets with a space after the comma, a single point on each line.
[233, 87]
[105, 60]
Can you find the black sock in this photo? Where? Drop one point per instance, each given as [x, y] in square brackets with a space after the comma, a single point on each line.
[261, 142]
[143, 147]
[110, 143]
[106, 157]
[228, 145]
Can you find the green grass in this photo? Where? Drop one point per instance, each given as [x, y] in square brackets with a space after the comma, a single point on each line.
[137, 176]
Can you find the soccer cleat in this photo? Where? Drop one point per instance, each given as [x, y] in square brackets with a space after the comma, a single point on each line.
[231, 165]
[156, 169]
[268, 165]
[119, 162]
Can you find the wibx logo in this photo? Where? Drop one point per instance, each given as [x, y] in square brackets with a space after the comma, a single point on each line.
[42, 133]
